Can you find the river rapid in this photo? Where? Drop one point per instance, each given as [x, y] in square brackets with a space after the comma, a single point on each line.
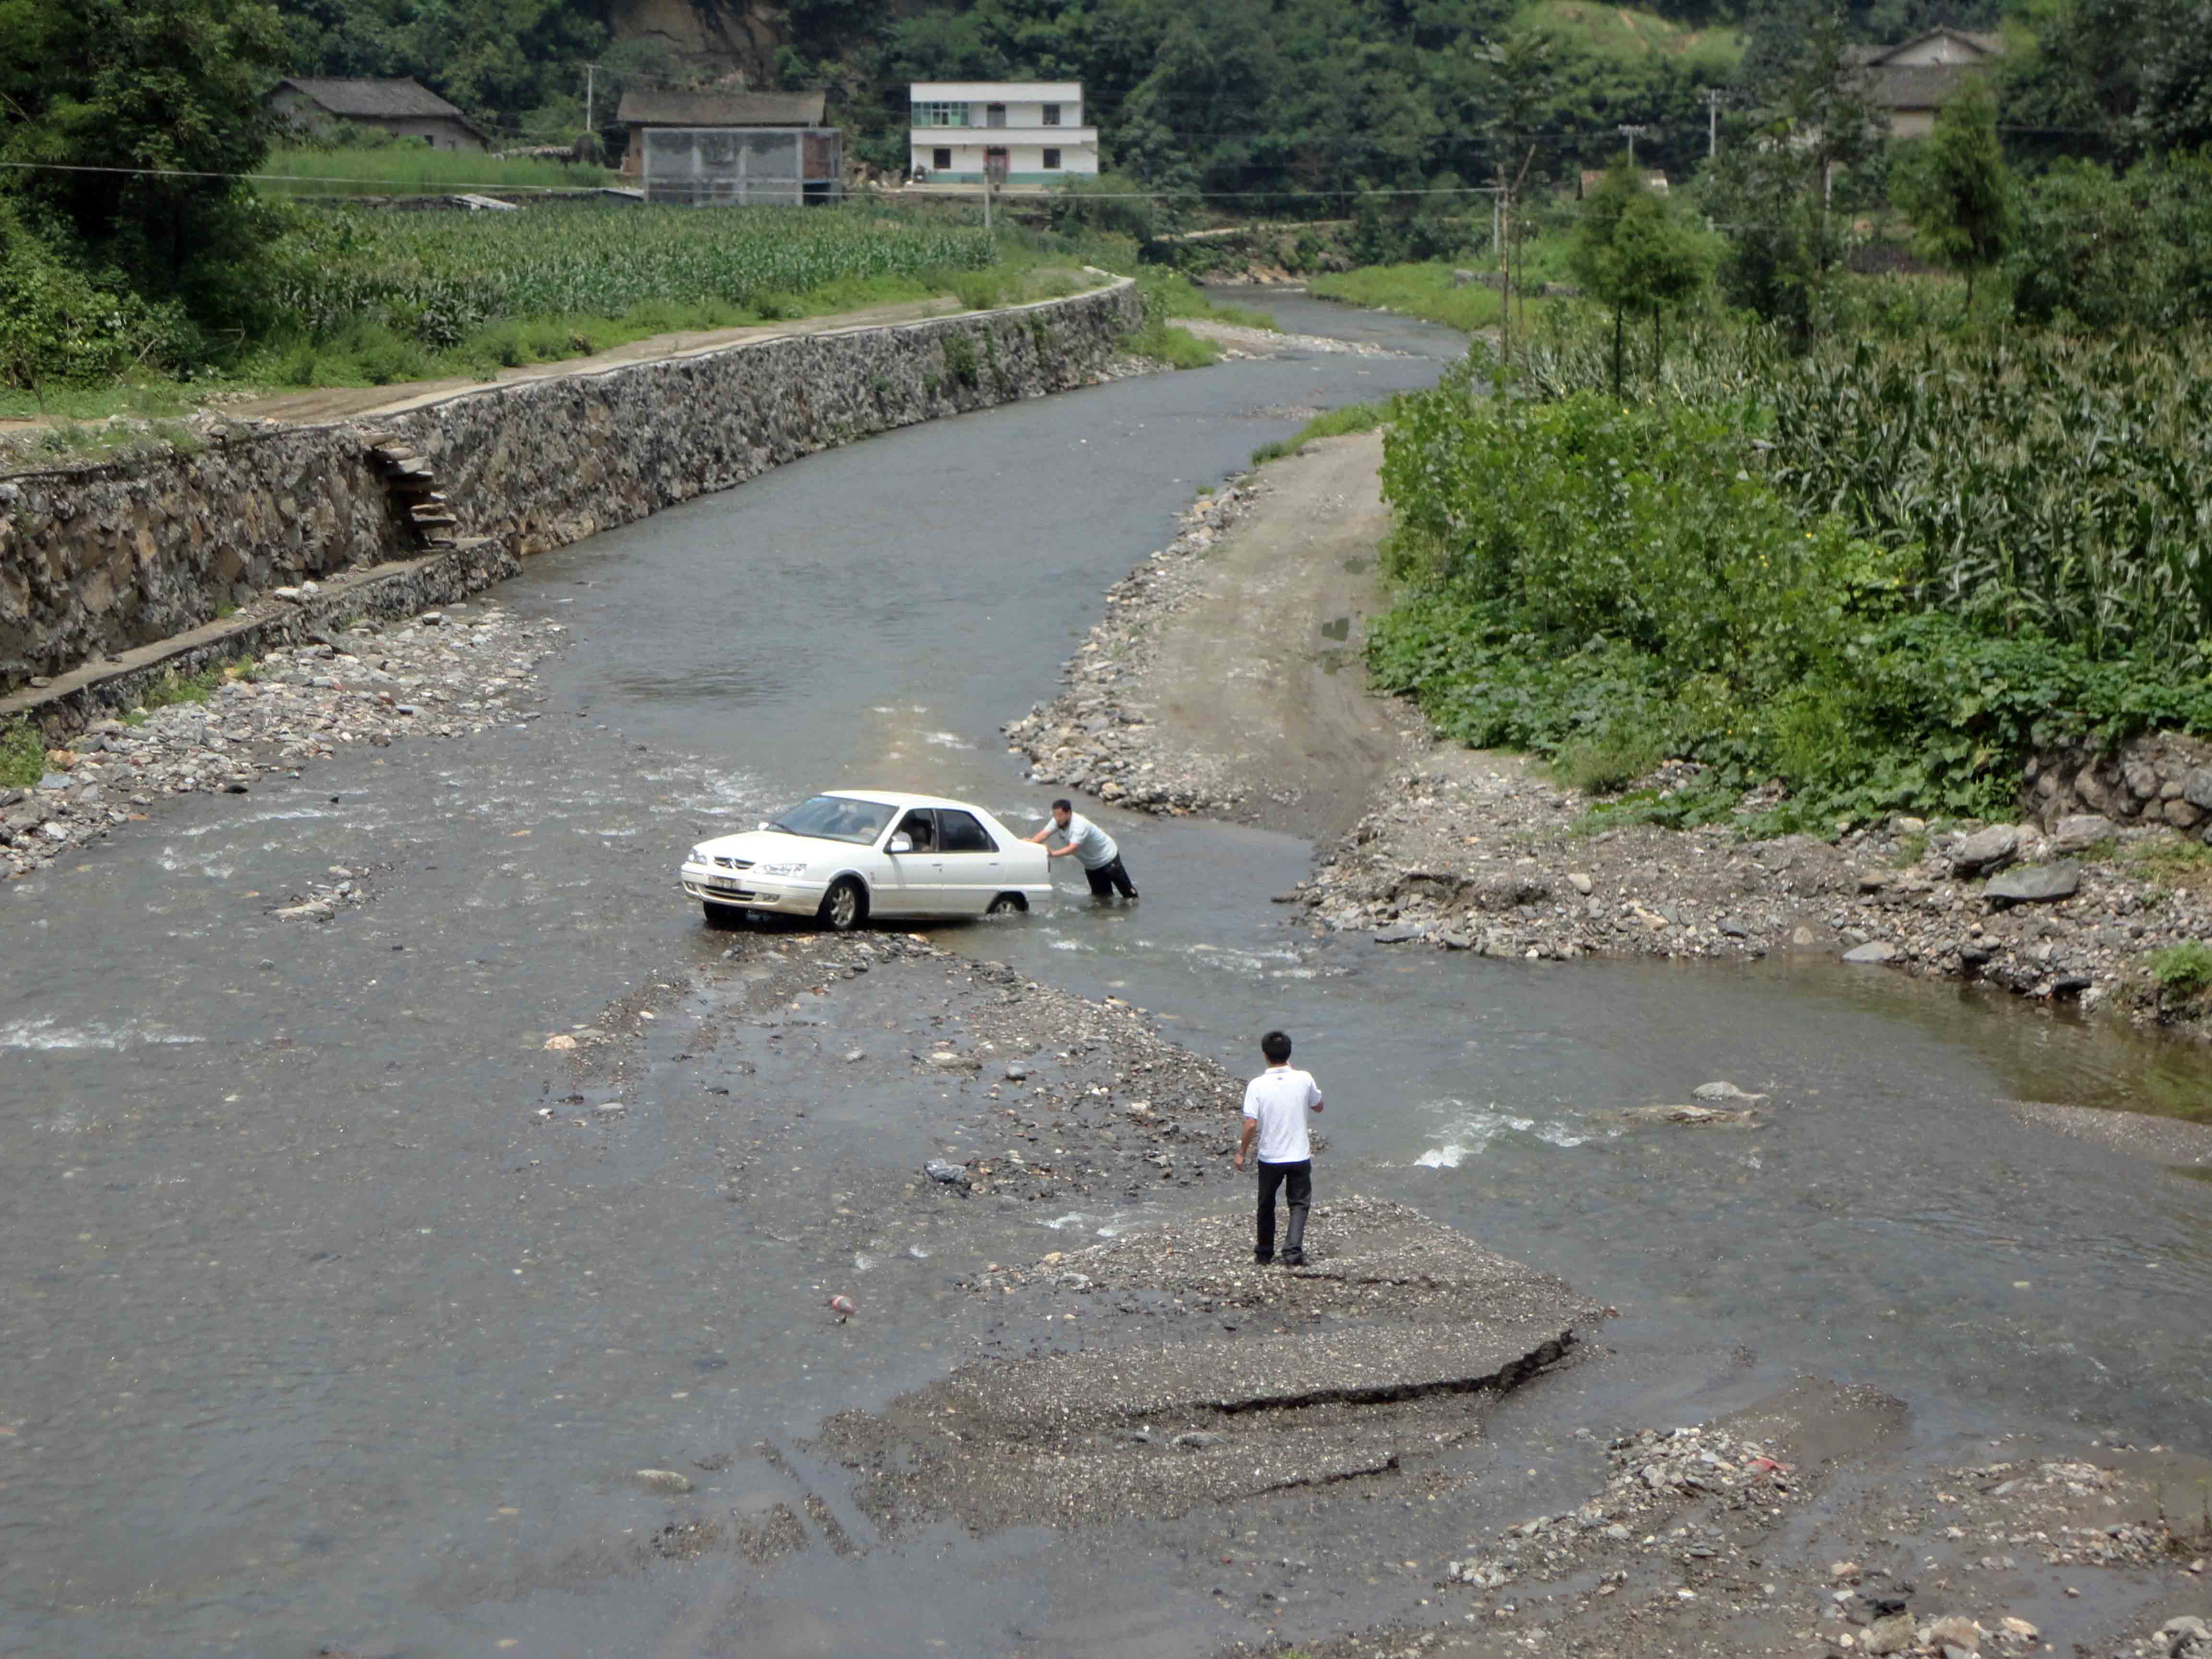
[299, 1350]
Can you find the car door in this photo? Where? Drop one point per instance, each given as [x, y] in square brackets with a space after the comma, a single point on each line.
[975, 869]
[912, 883]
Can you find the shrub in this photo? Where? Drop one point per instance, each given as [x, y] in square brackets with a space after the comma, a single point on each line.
[1604, 584]
[1178, 348]
[22, 755]
[2184, 969]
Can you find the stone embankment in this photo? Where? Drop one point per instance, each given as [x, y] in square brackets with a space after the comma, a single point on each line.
[439, 674]
[101, 558]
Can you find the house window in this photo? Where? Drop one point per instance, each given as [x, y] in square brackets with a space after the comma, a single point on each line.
[995, 115]
[940, 115]
[1052, 115]
[941, 160]
[1052, 161]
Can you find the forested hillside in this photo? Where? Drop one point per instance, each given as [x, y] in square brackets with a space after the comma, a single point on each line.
[1240, 95]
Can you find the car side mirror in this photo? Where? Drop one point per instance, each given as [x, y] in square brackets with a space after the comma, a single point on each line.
[901, 843]
[764, 824]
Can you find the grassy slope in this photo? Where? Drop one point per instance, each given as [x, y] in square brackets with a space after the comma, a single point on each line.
[1417, 290]
[1618, 32]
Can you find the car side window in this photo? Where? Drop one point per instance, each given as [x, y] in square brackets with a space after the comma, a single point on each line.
[963, 833]
[917, 825]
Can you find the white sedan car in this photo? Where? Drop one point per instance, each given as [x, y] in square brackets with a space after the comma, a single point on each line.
[844, 857]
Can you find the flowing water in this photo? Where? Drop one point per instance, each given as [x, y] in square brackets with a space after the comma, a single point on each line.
[312, 1336]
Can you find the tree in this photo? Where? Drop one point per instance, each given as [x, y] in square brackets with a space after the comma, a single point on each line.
[1956, 189]
[1773, 191]
[166, 94]
[1632, 254]
[2116, 80]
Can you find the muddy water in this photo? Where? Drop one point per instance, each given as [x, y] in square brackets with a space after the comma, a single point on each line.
[316, 1333]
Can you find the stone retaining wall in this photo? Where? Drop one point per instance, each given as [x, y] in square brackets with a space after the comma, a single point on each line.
[2160, 778]
[97, 559]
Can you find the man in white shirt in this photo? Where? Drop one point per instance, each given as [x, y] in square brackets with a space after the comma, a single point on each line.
[1090, 846]
[1275, 1106]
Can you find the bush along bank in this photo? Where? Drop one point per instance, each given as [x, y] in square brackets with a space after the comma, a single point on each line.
[1833, 596]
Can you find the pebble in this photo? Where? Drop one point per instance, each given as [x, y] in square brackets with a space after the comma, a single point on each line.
[667, 1481]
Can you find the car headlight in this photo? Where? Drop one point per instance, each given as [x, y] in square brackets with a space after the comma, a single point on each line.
[786, 870]
[696, 855]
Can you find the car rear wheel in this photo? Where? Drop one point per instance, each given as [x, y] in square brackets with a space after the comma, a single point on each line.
[1007, 904]
[844, 907]
[723, 915]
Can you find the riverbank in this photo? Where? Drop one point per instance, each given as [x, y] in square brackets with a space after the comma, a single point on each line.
[1453, 848]
[1299, 1448]
[222, 727]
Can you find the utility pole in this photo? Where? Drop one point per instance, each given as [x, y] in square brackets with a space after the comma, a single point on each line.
[1712, 121]
[590, 71]
[987, 197]
[1629, 133]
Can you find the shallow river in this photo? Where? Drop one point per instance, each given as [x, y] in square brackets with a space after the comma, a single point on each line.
[304, 1345]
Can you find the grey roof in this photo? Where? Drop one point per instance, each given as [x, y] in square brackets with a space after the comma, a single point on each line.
[1991, 46]
[372, 98]
[655, 107]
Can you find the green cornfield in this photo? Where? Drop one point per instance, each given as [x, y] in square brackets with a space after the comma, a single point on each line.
[437, 276]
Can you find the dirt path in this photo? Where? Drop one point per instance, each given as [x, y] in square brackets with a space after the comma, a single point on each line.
[1262, 674]
[1227, 678]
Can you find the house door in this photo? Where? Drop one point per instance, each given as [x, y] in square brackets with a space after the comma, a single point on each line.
[994, 164]
[995, 115]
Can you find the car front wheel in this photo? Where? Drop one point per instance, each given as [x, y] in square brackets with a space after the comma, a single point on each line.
[723, 915]
[844, 907]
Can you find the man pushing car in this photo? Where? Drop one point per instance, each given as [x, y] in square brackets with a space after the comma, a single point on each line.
[1091, 847]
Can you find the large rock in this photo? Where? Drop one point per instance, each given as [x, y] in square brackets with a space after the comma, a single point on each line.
[1985, 849]
[1875, 952]
[2197, 787]
[2035, 884]
[2079, 832]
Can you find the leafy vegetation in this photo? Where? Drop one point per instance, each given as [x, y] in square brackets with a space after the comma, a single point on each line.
[1808, 571]
[1634, 255]
[1329, 424]
[2184, 969]
[1178, 348]
[1956, 189]
[22, 754]
[1170, 293]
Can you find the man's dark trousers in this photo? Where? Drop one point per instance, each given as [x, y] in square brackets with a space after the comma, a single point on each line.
[1110, 877]
[1299, 1176]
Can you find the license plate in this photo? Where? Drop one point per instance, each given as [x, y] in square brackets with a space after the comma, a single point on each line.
[725, 883]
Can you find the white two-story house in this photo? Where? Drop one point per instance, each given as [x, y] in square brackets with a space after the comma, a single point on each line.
[1020, 132]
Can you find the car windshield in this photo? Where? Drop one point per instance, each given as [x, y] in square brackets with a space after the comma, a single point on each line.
[834, 818]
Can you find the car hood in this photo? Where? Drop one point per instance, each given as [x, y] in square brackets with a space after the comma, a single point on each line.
[775, 846]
